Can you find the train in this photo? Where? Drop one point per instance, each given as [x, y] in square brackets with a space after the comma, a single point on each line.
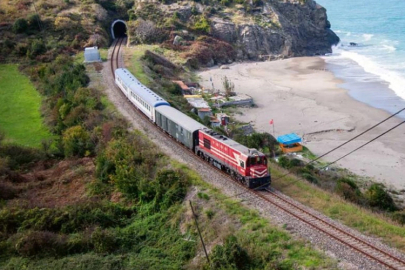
[247, 165]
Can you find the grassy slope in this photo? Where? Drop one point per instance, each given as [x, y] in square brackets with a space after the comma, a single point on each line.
[20, 118]
[335, 207]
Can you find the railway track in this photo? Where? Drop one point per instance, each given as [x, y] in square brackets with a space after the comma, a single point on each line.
[114, 60]
[357, 244]
[287, 205]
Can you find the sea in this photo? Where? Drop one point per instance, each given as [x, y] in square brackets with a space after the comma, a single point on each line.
[370, 57]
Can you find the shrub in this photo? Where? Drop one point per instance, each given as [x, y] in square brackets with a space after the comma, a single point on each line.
[229, 256]
[348, 189]
[7, 191]
[399, 217]
[37, 47]
[175, 89]
[296, 163]
[284, 162]
[103, 240]
[18, 156]
[76, 142]
[379, 198]
[202, 25]
[35, 243]
[210, 214]
[20, 26]
[203, 195]
[310, 178]
[34, 22]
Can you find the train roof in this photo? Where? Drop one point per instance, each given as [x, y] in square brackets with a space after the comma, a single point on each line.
[231, 143]
[138, 88]
[180, 118]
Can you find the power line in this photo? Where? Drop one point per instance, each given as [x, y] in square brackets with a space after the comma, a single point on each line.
[382, 134]
[355, 137]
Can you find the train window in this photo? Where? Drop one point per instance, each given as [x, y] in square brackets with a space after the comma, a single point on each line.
[242, 164]
[207, 143]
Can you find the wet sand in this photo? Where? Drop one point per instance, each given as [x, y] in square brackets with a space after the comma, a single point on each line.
[302, 96]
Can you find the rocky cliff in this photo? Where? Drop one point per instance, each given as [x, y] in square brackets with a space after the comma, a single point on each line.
[271, 29]
[300, 29]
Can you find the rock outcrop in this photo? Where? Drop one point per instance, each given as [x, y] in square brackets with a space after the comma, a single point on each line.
[276, 29]
[300, 30]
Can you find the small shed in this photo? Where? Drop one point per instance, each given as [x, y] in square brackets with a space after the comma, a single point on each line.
[290, 143]
[91, 54]
[223, 118]
[203, 112]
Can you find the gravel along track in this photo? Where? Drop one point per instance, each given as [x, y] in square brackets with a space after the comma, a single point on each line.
[348, 257]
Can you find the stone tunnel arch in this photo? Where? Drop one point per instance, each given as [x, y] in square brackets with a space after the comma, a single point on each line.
[118, 29]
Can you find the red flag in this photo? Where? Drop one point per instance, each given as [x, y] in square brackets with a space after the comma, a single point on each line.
[271, 122]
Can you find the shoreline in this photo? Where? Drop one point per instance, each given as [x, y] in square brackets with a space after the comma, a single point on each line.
[301, 95]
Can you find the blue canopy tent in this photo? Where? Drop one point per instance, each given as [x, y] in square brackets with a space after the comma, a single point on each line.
[290, 143]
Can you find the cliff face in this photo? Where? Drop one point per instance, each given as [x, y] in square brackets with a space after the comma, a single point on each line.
[274, 29]
[298, 30]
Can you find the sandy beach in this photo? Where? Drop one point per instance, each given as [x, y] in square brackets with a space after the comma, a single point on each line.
[302, 96]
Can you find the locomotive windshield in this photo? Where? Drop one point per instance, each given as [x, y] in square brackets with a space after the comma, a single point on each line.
[257, 160]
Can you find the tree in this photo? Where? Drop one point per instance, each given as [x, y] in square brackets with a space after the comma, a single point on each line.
[228, 86]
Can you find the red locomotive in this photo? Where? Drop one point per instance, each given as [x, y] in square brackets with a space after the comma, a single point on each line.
[247, 165]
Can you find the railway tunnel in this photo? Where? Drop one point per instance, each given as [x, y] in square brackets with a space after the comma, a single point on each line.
[118, 29]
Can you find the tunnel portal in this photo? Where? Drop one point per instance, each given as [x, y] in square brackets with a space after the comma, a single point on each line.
[118, 29]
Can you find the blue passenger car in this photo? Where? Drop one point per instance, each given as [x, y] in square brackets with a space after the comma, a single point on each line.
[141, 96]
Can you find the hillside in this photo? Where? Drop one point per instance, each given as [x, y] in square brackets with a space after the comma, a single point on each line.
[207, 32]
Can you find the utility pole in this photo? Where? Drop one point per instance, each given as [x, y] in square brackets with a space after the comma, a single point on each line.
[198, 229]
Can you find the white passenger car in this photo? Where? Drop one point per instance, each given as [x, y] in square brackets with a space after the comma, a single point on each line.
[141, 96]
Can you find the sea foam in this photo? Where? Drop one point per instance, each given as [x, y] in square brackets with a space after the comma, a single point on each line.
[395, 81]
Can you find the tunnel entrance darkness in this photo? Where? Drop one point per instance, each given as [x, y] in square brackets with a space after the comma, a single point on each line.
[118, 29]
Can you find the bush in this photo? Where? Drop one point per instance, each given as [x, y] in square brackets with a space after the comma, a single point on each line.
[76, 142]
[229, 256]
[18, 156]
[103, 241]
[36, 243]
[310, 178]
[202, 25]
[379, 198]
[348, 189]
[34, 22]
[20, 26]
[7, 191]
[399, 217]
[284, 162]
[37, 47]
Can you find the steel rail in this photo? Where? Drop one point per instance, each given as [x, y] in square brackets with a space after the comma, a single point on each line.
[285, 209]
[115, 54]
[333, 227]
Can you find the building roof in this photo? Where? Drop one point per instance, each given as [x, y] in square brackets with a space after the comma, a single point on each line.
[138, 88]
[180, 118]
[91, 54]
[198, 102]
[182, 85]
[289, 138]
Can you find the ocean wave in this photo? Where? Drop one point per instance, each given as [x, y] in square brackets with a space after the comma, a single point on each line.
[389, 48]
[396, 81]
[367, 37]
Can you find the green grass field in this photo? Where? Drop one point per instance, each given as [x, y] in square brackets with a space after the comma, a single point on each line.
[20, 118]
